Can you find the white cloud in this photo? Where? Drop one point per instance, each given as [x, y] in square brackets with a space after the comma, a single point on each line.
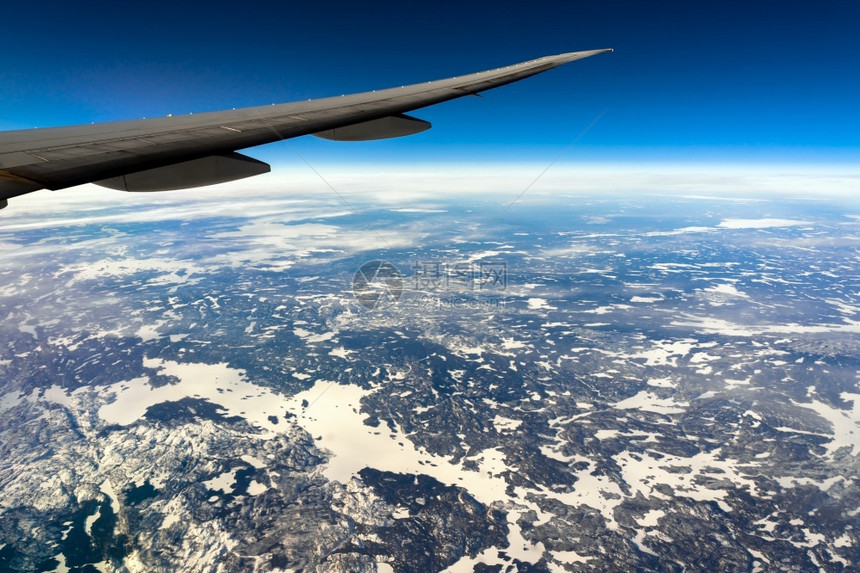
[760, 223]
[297, 191]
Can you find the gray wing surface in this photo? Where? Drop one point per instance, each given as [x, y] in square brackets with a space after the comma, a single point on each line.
[199, 149]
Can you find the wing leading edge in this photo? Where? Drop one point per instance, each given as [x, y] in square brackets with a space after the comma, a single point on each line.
[172, 147]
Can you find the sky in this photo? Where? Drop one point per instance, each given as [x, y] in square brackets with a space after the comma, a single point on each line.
[689, 81]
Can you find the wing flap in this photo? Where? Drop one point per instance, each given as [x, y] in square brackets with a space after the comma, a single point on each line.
[195, 173]
[382, 128]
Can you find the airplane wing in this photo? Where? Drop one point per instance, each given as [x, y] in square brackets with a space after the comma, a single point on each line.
[200, 149]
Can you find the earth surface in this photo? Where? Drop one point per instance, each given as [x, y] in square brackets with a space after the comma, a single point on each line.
[287, 382]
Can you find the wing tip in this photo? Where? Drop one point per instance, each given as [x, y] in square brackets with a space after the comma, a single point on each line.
[571, 56]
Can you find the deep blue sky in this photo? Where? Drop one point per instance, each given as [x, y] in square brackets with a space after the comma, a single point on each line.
[743, 81]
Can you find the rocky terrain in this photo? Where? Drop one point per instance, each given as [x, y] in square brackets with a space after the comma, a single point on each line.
[616, 385]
